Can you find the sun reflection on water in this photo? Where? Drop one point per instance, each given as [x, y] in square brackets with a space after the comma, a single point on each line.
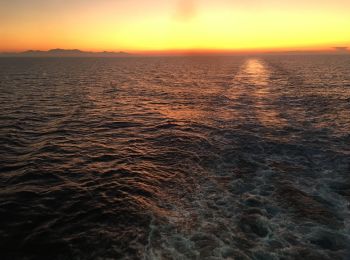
[254, 77]
[256, 73]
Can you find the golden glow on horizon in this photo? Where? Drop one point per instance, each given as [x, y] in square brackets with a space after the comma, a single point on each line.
[158, 25]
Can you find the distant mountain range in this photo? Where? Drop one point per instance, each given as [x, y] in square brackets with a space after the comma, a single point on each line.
[340, 51]
[63, 53]
[79, 53]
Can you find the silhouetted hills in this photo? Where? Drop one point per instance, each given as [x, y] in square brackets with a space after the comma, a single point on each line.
[79, 53]
[334, 50]
[342, 49]
[63, 53]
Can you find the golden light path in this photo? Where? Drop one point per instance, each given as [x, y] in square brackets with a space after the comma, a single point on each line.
[174, 25]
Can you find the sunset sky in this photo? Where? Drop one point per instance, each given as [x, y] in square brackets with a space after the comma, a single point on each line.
[174, 25]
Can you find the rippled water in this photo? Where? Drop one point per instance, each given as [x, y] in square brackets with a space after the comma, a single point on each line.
[175, 158]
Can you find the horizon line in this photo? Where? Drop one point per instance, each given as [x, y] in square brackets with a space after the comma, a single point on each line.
[188, 52]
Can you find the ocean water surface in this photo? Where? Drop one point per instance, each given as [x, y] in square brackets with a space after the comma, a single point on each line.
[175, 158]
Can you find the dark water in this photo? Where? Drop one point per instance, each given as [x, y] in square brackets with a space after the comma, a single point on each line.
[175, 158]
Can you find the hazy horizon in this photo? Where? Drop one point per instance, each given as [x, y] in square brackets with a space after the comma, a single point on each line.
[61, 51]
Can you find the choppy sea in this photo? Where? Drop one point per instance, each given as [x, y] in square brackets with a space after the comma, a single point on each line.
[175, 158]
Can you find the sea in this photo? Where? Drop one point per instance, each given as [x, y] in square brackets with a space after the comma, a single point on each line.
[241, 157]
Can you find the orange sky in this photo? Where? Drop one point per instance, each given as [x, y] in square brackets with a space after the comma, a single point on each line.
[180, 25]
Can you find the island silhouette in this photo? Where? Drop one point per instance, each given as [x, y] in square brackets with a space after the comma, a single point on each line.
[79, 53]
[64, 53]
